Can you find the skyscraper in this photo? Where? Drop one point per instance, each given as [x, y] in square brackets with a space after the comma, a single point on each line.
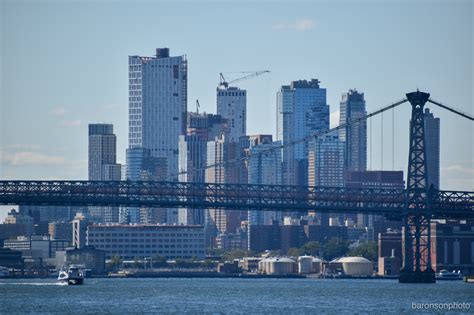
[201, 128]
[302, 110]
[157, 108]
[264, 168]
[158, 104]
[326, 161]
[432, 138]
[103, 153]
[352, 106]
[103, 166]
[232, 105]
[326, 165]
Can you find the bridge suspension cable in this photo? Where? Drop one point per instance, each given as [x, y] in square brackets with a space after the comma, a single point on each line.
[298, 141]
[456, 111]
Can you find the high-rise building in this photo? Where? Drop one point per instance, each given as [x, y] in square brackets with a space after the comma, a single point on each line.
[142, 166]
[354, 136]
[326, 161]
[219, 151]
[201, 128]
[103, 166]
[157, 108]
[232, 105]
[264, 168]
[302, 110]
[432, 138]
[158, 105]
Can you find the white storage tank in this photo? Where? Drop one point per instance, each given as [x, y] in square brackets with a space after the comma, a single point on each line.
[277, 266]
[317, 265]
[305, 265]
[356, 266]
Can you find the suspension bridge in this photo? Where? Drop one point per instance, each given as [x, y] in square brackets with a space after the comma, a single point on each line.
[416, 205]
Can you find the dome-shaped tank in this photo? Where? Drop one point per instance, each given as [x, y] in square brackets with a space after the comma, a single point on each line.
[277, 266]
[356, 266]
[317, 265]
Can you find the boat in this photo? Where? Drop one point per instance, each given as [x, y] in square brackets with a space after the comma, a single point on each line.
[446, 275]
[72, 275]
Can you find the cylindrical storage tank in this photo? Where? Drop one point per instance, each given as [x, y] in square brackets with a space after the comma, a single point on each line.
[356, 266]
[282, 266]
[305, 265]
[317, 265]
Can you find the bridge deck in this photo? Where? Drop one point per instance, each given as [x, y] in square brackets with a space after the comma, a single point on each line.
[389, 202]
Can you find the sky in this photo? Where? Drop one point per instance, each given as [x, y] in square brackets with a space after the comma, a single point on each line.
[64, 65]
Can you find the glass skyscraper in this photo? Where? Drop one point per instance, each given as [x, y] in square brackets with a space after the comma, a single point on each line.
[302, 110]
[352, 106]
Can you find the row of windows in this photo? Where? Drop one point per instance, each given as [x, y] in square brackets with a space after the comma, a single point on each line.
[224, 93]
[154, 240]
[145, 234]
[145, 246]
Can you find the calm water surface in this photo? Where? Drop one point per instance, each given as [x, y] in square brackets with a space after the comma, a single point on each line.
[168, 295]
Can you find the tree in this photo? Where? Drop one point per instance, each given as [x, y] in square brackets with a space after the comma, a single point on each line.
[335, 248]
[237, 254]
[115, 261]
[207, 264]
[136, 261]
[311, 248]
[367, 250]
[293, 252]
[180, 263]
[158, 261]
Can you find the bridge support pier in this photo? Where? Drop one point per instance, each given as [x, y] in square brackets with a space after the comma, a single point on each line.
[417, 213]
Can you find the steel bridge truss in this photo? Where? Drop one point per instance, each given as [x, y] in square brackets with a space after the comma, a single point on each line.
[382, 201]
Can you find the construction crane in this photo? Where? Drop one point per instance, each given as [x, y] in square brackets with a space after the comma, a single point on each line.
[225, 84]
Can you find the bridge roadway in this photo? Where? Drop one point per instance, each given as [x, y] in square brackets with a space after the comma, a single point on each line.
[383, 201]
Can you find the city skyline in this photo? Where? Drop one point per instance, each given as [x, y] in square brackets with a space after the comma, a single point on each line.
[42, 153]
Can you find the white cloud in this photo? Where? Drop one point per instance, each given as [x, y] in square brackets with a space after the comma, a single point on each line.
[334, 119]
[30, 158]
[58, 111]
[71, 123]
[300, 25]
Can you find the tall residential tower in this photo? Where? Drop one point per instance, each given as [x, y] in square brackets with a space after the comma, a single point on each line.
[302, 110]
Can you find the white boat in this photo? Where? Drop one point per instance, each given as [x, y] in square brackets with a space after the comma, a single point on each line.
[446, 275]
[72, 275]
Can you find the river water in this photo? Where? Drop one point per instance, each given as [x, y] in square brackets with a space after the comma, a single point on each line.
[187, 295]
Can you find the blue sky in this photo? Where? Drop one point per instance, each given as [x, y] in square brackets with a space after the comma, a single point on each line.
[64, 65]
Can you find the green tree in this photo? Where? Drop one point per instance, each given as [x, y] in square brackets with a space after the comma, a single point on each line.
[137, 262]
[180, 263]
[367, 250]
[158, 261]
[115, 261]
[311, 248]
[335, 248]
[237, 254]
[293, 252]
[207, 264]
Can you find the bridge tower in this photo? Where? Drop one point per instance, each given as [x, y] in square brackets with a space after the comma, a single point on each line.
[417, 213]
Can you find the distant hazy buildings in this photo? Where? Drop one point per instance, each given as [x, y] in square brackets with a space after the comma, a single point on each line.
[432, 136]
[352, 106]
[130, 241]
[302, 110]
[103, 165]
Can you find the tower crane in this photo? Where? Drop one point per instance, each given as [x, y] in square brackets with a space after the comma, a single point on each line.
[225, 84]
